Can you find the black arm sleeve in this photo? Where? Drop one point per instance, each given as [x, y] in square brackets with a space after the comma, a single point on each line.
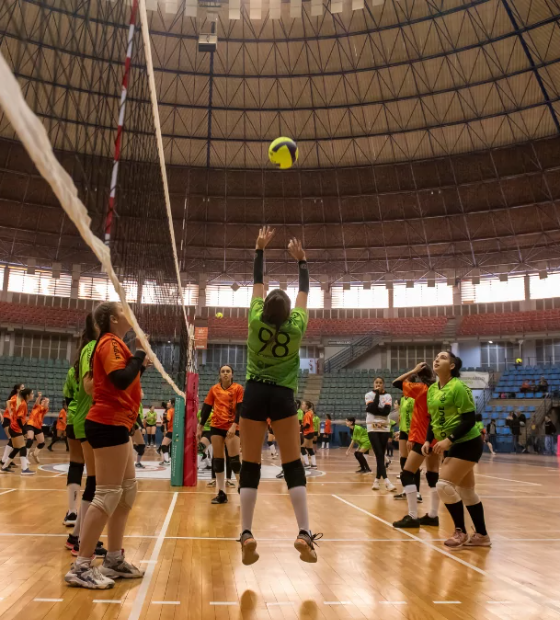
[238, 412]
[68, 401]
[467, 422]
[258, 267]
[430, 434]
[374, 406]
[398, 384]
[20, 422]
[205, 413]
[303, 276]
[124, 377]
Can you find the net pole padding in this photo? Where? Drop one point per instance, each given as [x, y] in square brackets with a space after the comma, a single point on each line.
[122, 109]
[190, 449]
[33, 136]
[178, 443]
[161, 153]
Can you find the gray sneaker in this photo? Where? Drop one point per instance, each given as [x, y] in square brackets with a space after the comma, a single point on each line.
[120, 569]
[87, 576]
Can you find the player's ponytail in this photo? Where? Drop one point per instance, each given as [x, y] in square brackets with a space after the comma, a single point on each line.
[276, 310]
[102, 318]
[88, 335]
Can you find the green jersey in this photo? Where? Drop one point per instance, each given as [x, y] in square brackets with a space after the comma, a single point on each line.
[151, 417]
[140, 418]
[360, 436]
[273, 356]
[300, 415]
[70, 390]
[316, 423]
[446, 406]
[84, 400]
[208, 425]
[405, 414]
[480, 426]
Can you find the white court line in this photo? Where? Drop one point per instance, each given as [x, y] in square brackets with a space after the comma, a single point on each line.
[224, 603]
[531, 484]
[108, 601]
[446, 602]
[165, 602]
[148, 575]
[533, 594]
[8, 491]
[47, 600]
[148, 562]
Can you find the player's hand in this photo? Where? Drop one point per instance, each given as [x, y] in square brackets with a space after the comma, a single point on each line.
[199, 431]
[442, 446]
[265, 236]
[420, 367]
[409, 446]
[426, 449]
[232, 430]
[296, 249]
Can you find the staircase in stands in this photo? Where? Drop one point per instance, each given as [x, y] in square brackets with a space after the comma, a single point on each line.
[313, 388]
[358, 347]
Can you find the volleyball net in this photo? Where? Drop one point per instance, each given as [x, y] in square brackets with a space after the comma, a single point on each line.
[77, 89]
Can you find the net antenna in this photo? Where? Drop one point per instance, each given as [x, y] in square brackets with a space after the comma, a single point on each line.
[34, 137]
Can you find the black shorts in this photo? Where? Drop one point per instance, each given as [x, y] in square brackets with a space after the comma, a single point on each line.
[403, 435]
[149, 425]
[263, 400]
[309, 437]
[70, 431]
[169, 435]
[220, 432]
[105, 435]
[315, 436]
[470, 450]
[417, 447]
[207, 434]
[36, 431]
[14, 434]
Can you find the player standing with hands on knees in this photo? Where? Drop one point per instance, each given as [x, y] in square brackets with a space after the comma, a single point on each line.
[275, 334]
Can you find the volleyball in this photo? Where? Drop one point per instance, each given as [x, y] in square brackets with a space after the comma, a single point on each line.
[283, 153]
[219, 315]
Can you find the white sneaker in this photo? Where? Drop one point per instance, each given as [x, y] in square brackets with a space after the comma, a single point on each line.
[375, 485]
[120, 569]
[389, 485]
[87, 576]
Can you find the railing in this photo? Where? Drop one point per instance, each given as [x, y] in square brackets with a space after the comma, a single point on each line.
[356, 349]
[486, 395]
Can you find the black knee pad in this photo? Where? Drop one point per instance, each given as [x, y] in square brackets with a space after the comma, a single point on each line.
[407, 478]
[23, 451]
[75, 473]
[432, 477]
[14, 453]
[141, 449]
[310, 451]
[40, 446]
[28, 443]
[219, 465]
[269, 443]
[250, 475]
[294, 474]
[403, 462]
[10, 443]
[235, 464]
[165, 449]
[89, 491]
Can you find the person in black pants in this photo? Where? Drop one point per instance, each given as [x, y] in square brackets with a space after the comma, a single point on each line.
[378, 408]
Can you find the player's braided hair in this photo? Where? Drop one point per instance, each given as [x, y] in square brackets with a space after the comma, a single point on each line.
[87, 336]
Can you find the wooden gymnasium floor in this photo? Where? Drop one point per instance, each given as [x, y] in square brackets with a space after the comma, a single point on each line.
[366, 569]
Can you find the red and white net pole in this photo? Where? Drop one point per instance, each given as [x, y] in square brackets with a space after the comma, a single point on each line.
[122, 108]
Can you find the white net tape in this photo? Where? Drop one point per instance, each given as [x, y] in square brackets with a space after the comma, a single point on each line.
[34, 137]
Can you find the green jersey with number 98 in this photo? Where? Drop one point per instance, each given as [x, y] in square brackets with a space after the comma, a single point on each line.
[446, 406]
[274, 357]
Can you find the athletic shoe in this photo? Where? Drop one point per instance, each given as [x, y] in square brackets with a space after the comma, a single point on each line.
[139, 466]
[35, 457]
[49, 448]
[28, 472]
[387, 463]
[400, 496]
[307, 466]
[389, 485]
[230, 483]
[70, 519]
[100, 551]
[305, 545]
[280, 475]
[478, 540]
[87, 576]
[165, 463]
[313, 467]
[221, 498]
[398, 476]
[71, 542]
[249, 553]
[361, 471]
[13, 465]
[427, 520]
[407, 522]
[419, 498]
[375, 485]
[6, 470]
[120, 569]
[457, 541]
[274, 456]
[212, 483]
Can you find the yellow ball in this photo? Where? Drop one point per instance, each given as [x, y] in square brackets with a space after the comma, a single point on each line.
[283, 153]
[219, 315]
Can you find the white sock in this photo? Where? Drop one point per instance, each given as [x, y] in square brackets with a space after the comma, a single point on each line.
[434, 505]
[6, 462]
[248, 498]
[24, 463]
[221, 481]
[7, 450]
[305, 459]
[198, 460]
[84, 507]
[411, 490]
[81, 561]
[73, 491]
[323, 445]
[114, 555]
[313, 460]
[166, 457]
[298, 497]
[76, 530]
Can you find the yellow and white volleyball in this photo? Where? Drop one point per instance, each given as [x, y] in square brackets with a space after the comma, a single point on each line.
[219, 315]
[283, 153]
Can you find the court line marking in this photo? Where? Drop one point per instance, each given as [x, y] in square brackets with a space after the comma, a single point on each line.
[8, 491]
[531, 484]
[527, 590]
[138, 604]
[48, 600]
[165, 602]
[446, 602]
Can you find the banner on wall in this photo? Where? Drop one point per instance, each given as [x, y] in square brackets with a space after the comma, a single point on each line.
[201, 337]
[475, 380]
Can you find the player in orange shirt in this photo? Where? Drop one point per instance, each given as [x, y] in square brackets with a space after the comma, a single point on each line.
[327, 433]
[34, 428]
[225, 399]
[6, 419]
[18, 420]
[309, 458]
[115, 379]
[419, 424]
[168, 437]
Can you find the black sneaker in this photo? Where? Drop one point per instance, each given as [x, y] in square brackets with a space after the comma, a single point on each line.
[139, 466]
[100, 551]
[419, 498]
[361, 471]
[249, 553]
[305, 544]
[400, 496]
[70, 519]
[71, 542]
[407, 522]
[221, 498]
[427, 520]
[280, 475]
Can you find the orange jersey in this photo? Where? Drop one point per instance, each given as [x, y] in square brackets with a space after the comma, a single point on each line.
[308, 427]
[110, 405]
[61, 422]
[420, 417]
[328, 427]
[224, 403]
[19, 413]
[170, 416]
[37, 414]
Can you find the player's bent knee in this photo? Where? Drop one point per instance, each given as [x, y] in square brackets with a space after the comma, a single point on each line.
[41, 445]
[28, 443]
[447, 492]
[432, 478]
[129, 491]
[89, 491]
[235, 464]
[407, 478]
[294, 474]
[141, 449]
[107, 498]
[219, 465]
[469, 496]
[250, 475]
